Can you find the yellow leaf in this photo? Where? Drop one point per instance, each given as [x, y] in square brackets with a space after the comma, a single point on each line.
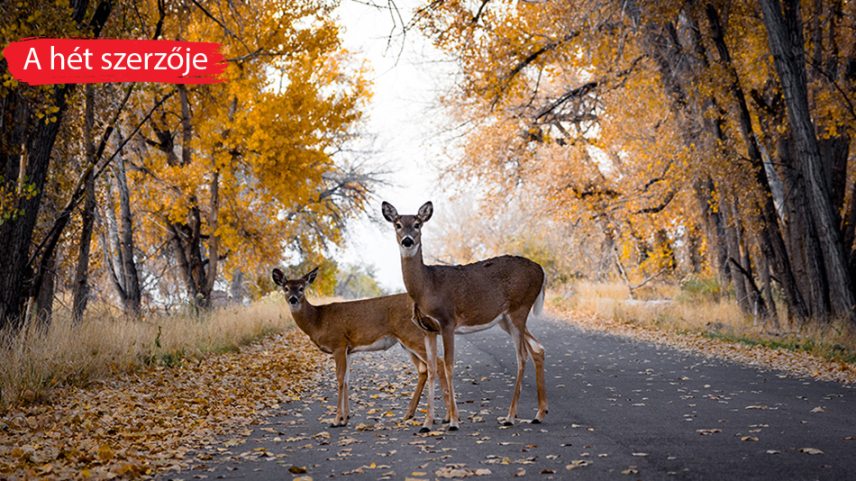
[105, 452]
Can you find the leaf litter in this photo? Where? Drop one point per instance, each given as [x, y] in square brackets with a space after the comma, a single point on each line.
[156, 419]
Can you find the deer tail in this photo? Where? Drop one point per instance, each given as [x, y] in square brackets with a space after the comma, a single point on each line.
[538, 307]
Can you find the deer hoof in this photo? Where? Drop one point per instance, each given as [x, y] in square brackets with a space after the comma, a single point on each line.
[536, 421]
[424, 429]
[453, 427]
[507, 422]
[445, 420]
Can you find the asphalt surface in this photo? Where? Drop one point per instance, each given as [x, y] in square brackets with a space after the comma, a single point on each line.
[619, 409]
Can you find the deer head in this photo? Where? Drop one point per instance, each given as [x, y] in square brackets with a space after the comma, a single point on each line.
[294, 289]
[408, 228]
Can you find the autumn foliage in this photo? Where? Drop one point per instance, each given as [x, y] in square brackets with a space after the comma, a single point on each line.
[679, 137]
[159, 195]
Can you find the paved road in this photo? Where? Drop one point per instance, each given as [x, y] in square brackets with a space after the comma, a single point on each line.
[619, 409]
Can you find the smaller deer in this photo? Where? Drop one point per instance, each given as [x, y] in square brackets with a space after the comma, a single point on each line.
[377, 324]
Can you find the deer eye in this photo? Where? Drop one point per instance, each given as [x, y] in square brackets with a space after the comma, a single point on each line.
[417, 225]
[398, 225]
[300, 289]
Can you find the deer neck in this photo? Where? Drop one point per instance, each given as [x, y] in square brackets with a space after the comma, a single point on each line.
[416, 275]
[306, 316]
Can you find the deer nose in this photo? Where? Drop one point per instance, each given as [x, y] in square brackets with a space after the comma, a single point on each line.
[407, 242]
[292, 300]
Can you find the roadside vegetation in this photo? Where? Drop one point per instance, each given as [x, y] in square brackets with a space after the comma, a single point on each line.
[37, 359]
[124, 398]
[698, 314]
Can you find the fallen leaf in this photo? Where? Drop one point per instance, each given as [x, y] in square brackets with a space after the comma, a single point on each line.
[105, 453]
[460, 471]
[812, 451]
[577, 463]
[762, 407]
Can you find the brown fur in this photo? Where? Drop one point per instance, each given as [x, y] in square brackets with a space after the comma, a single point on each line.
[452, 299]
[342, 328]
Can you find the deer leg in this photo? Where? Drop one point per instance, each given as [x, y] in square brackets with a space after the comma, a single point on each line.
[341, 358]
[444, 385]
[536, 350]
[422, 369]
[449, 364]
[347, 389]
[521, 351]
[431, 364]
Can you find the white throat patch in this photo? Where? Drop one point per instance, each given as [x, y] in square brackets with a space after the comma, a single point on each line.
[408, 251]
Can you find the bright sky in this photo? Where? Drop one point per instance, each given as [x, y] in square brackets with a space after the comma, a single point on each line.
[406, 117]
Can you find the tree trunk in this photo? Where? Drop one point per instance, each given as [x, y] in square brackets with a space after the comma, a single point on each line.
[18, 280]
[785, 37]
[80, 287]
[834, 152]
[16, 236]
[213, 238]
[771, 241]
[714, 229]
[767, 288]
[694, 248]
[733, 246]
[117, 239]
[40, 308]
[131, 279]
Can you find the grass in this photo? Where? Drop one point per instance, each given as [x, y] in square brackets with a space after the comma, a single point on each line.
[34, 360]
[826, 349]
[699, 306]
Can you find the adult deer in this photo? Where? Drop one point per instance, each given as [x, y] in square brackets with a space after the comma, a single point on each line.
[462, 299]
[377, 324]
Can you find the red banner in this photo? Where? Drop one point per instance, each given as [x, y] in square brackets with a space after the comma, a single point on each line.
[61, 61]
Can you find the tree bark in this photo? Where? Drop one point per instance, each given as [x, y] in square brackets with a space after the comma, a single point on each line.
[771, 240]
[80, 287]
[18, 278]
[785, 37]
[131, 280]
[40, 308]
[733, 247]
[16, 236]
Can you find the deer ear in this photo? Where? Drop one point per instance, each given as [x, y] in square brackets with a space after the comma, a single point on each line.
[278, 277]
[310, 278]
[426, 211]
[389, 212]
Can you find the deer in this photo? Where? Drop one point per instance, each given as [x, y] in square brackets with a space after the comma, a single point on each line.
[345, 328]
[463, 299]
